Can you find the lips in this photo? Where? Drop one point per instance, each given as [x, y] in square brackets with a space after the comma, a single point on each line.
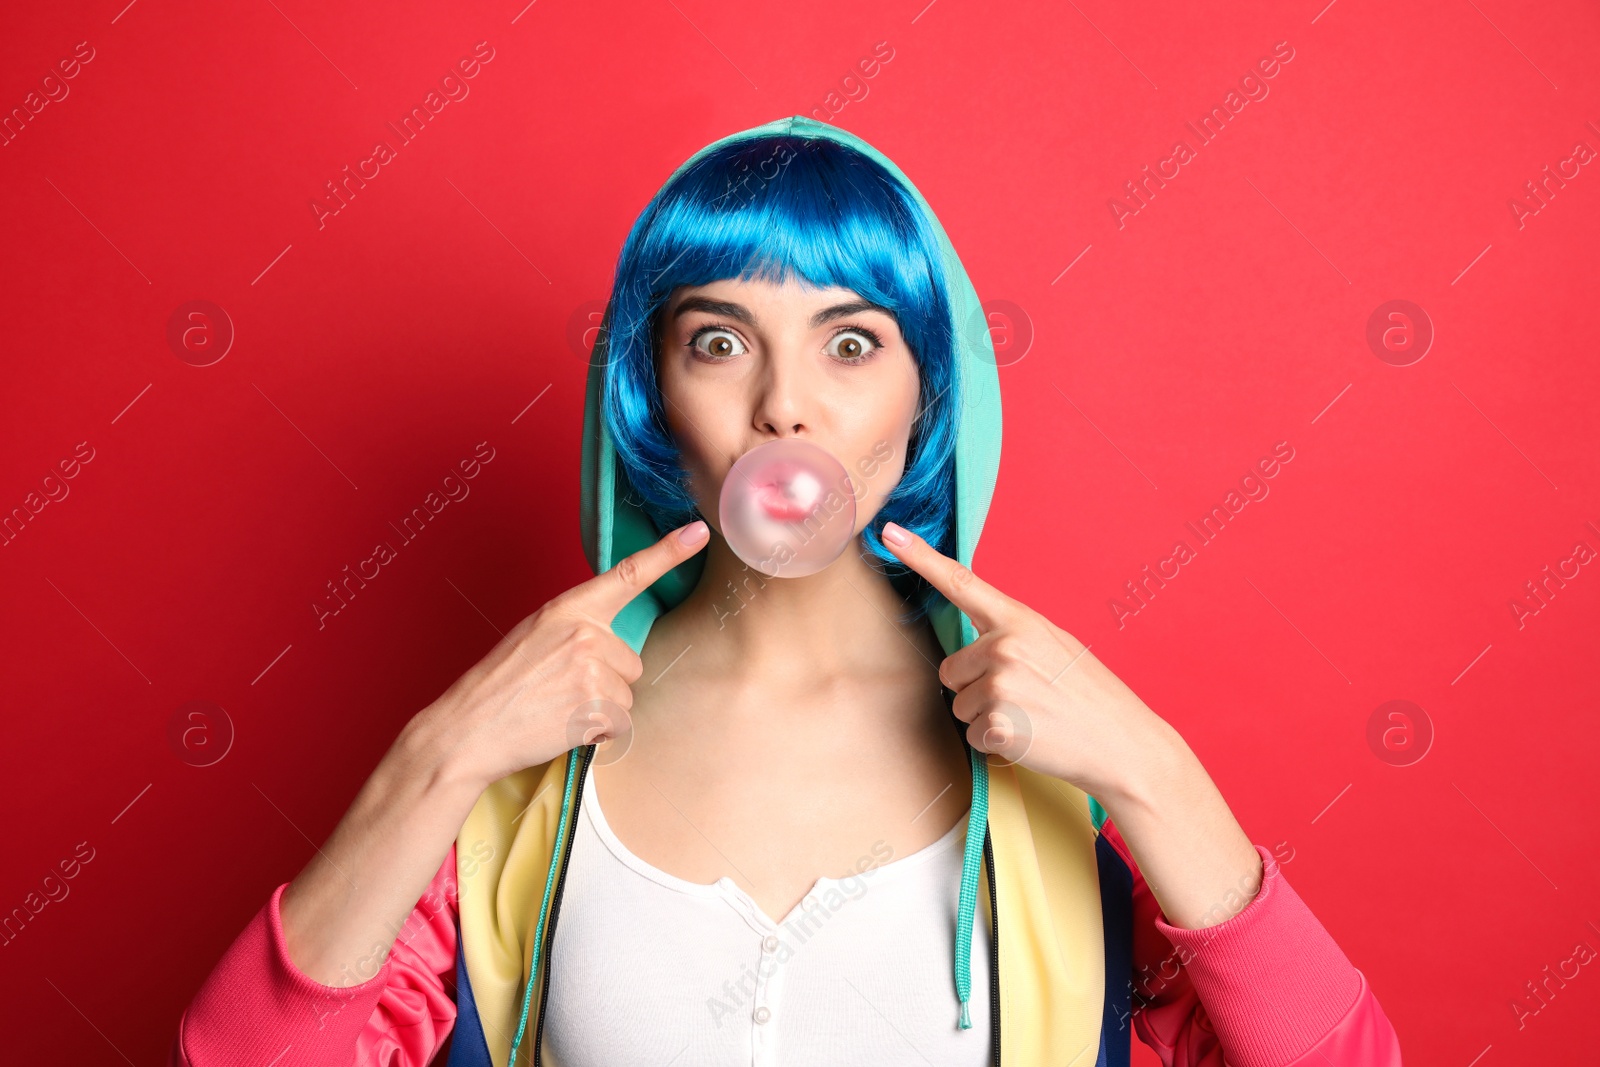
[788, 496]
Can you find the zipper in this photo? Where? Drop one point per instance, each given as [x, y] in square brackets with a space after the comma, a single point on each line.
[555, 904]
[994, 947]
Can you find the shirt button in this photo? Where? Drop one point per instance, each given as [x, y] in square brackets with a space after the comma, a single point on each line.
[770, 943]
[762, 1014]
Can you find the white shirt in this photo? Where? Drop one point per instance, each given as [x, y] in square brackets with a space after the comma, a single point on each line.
[652, 970]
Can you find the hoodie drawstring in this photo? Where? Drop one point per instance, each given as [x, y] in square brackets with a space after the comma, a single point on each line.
[549, 882]
[977, 828]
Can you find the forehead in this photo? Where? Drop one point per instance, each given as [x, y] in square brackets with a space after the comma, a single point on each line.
[760, 303]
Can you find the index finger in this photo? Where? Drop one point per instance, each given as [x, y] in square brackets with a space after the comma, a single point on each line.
[985, 605]
[607, 593]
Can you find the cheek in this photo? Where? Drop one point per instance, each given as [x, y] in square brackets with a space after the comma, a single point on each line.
[694, 453]
[882, 466]
[880, 458]
[694, 424]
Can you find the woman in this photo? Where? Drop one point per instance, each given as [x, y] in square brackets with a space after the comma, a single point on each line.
[883, 813]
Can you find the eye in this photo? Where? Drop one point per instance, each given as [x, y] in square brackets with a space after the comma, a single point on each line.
[852, 344]
[723, 343]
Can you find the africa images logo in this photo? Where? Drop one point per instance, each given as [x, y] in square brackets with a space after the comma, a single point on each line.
[454, 89]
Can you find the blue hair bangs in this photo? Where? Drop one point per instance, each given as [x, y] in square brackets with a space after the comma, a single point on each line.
[773, 208]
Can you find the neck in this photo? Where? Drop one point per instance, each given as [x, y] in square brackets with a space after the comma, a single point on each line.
[844, 620]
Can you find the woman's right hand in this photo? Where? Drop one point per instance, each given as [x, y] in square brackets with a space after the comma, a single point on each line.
[518, 707]
[523, 704]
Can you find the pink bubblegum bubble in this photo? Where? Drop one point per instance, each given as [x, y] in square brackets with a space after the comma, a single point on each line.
[788, 508]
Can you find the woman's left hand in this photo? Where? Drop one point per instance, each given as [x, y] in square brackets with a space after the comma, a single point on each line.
[1032, 693]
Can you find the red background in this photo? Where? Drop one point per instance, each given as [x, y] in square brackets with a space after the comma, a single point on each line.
[1230, 313]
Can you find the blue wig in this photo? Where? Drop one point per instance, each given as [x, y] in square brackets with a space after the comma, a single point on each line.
[771, 207]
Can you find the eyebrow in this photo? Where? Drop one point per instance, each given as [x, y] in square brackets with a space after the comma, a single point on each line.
[738, 311]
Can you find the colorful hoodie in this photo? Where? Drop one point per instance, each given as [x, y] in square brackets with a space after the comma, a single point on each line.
[1080, 951]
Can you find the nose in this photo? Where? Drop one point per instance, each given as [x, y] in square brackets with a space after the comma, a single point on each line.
[785, 396]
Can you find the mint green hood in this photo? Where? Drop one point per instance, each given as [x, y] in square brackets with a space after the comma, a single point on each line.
[613, 526]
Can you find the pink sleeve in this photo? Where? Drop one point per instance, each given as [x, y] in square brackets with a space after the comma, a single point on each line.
[257, 1007]
[1267, 988]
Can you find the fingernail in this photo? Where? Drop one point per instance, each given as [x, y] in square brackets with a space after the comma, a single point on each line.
[694, 533]
[895, 535]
